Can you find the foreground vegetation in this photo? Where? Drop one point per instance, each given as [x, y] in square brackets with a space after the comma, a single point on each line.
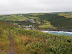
[33, 42]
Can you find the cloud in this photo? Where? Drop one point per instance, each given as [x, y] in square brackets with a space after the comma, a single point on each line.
[3, 2]
[30, 6]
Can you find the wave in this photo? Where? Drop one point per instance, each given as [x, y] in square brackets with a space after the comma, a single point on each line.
[59, 32]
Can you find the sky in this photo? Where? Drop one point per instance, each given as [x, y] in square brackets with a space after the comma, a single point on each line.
[34, 6]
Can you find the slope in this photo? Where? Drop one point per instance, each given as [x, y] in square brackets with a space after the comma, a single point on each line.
[32, 42]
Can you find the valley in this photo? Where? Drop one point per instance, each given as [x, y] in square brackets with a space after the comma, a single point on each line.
[41, 21]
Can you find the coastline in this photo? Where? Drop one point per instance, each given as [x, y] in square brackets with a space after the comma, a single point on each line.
[64, 30]
[66, 33]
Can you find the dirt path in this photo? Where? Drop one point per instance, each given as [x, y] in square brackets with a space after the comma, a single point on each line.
[12, 44]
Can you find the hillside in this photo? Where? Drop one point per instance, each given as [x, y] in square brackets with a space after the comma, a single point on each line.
[41, 21]
[19, 41]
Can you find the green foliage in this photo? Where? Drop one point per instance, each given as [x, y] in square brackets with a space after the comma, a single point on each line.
[2, 53]
[52, 21]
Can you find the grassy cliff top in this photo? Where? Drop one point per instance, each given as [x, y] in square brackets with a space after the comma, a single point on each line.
[32, 42]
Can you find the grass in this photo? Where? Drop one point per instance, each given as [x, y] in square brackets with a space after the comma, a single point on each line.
[34, 42]
[47, 25]
[11, 18]
[4, 36]
[33, 17]
[2, 53]
[67, 15]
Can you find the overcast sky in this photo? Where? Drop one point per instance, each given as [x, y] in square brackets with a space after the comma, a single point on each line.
[34, 6]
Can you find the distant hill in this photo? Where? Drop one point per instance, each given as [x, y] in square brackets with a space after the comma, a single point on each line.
[19, 41]
[42, 21]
